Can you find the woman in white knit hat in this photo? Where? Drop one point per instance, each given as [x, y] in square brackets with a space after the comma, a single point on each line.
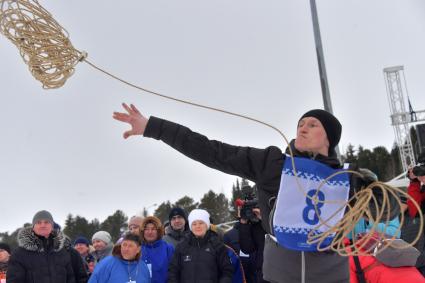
[201, 257]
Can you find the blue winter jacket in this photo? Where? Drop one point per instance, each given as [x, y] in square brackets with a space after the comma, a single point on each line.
[157, 256]
[114, 270]
[391, 229]
[238, 272]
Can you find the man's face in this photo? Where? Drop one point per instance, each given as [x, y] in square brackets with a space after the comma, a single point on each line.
[83, 249]
[177, 223]
[134, 229]
[43, 228]
[99, 245]
[150, 233]
[129, 249]
[311, 136]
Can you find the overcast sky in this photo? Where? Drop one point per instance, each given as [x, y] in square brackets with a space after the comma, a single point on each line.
[61, 150]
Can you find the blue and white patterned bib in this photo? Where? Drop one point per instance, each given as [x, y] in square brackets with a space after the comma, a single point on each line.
[295, 215]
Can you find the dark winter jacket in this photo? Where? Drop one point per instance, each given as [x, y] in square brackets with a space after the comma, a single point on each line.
[231, 239]
[174, 237]
[238, 271]
[40, 260]
[262, 166]
[87, 261]
[80, 271]
[200, 260]
[251, 239]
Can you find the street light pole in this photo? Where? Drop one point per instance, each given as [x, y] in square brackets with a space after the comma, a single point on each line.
[320, 58]
[327, 104]
[146, 209]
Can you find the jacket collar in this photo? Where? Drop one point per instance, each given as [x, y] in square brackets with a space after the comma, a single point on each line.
[209, 236]
[331, 161]
[177, 235]
[154, 244]
[28, 240]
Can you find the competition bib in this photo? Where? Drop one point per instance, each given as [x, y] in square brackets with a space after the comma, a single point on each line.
[295, 214]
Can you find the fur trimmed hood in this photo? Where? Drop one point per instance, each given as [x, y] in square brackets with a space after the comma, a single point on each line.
[30, 242]
[156, 222]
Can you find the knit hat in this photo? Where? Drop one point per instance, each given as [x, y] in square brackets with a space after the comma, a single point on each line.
[82, 240]
[6, 247]
[56, 227]
[199, 214]
[135, 220]
[103, 236]
[42, 215]
[419, 170]
[177, 211]
[330, 123]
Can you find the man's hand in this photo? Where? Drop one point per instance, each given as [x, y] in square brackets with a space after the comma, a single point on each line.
[403, 207]
[257, 212]
[137, 121]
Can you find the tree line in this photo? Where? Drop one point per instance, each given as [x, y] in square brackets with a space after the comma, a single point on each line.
[217, 205]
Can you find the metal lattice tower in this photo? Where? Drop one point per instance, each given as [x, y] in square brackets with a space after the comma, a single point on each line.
[400, 117]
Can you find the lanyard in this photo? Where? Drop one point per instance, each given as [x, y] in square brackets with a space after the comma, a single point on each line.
[129, 273]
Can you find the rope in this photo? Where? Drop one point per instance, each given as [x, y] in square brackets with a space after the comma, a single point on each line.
[45, 47]
[42, 42]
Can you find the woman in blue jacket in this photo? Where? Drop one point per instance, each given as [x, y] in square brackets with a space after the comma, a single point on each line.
[125, 264]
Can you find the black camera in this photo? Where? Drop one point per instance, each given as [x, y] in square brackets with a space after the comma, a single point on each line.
[249, 202]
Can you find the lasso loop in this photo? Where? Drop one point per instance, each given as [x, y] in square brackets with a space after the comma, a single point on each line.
[45, 47]
[42, 42]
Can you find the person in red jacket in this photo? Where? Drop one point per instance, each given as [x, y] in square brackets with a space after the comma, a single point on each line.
[416, 188]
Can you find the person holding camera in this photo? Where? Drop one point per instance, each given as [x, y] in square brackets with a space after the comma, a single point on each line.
[318, 133]
[416, 187]
[251, 239]
[416, 190]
